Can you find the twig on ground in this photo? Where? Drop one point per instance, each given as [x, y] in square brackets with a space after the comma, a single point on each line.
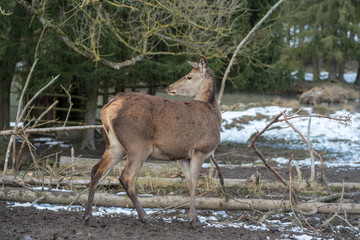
[12, 138]
[18, 119]
[175, 206]
[291, 194]
[76, 198]
[336, 215]
[298, 172]
[236, 200]
[326, 224]
[39, 199]
[221, 176]
[293, 204]
[265, 216]
[261, 156]
[27, 135]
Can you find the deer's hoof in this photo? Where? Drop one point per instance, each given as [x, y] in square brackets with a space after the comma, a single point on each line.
[195, 223]
[87, 220]
[144, 219]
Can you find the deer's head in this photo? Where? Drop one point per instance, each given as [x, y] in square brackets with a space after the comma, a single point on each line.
[191, 83]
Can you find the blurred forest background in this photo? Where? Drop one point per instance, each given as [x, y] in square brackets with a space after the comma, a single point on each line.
[100, 47]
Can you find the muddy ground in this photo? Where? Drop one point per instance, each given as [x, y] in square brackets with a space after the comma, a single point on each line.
[30, 223]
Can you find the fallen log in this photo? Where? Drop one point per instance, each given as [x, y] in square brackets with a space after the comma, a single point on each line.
[155, 182]
[212, 203]
[140, 181]
[333, 197]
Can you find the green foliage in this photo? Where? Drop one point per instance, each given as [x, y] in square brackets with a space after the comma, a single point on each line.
[259, 66]
[322, 33]
[298, 34]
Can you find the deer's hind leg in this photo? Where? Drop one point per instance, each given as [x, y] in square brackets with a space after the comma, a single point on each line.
[191, 171]
[110, 158]
[132, 167]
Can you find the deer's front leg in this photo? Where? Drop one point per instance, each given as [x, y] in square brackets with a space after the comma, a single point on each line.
[191, 172]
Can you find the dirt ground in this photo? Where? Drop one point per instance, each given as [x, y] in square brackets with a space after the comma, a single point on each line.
[31, 223]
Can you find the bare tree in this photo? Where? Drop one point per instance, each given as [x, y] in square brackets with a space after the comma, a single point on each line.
[120, 33]
[145, 28]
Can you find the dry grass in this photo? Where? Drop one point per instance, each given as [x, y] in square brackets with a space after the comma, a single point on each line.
[328, 93]
[281, 102]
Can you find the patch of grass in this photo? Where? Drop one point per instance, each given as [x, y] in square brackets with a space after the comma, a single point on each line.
[302, 112]
[286, 103]
[323, 110]
[260, 116]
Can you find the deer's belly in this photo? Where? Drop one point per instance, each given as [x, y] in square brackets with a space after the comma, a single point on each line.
[170, 154]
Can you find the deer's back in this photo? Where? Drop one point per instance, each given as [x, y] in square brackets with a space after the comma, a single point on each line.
[171, 128]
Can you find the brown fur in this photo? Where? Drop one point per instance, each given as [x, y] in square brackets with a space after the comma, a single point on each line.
[140, 125]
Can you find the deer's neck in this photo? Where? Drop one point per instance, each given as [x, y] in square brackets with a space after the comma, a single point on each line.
[207, 91]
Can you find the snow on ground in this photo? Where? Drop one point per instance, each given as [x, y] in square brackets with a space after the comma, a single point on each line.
[50, 189]
[49, 141]
[325, 135]
[12, 124]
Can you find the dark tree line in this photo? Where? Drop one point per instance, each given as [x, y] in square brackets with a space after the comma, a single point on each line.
[108, 46]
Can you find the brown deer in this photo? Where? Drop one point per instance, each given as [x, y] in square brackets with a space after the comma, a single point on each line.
[139, 125]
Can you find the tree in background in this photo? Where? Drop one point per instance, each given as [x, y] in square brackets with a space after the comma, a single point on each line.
[17, 40]
[105, 45]
[259, 68]
[119, 33]
[323, 34]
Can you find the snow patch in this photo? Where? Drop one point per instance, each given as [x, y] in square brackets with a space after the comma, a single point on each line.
[325, 135]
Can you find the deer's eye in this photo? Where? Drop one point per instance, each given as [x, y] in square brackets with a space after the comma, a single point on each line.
[189, 77]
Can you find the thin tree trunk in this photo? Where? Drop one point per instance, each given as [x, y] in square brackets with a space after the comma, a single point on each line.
[316, 69]
[333, 70]
[357, 81]
[105, 93]
[341, 71]
[90, 119]
[5, 104]
[151, 90]
[120, 86]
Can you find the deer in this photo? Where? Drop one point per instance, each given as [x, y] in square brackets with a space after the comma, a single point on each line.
[139, 125]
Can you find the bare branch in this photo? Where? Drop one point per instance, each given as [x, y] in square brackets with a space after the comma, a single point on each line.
[52, 129]
[79, 48]
[242, 43]
[18, 117]
[70, 103]
[302, 136]
[261, 156]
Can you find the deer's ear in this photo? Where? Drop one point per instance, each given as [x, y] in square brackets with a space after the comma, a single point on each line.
[194, 64]
[202, 63]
